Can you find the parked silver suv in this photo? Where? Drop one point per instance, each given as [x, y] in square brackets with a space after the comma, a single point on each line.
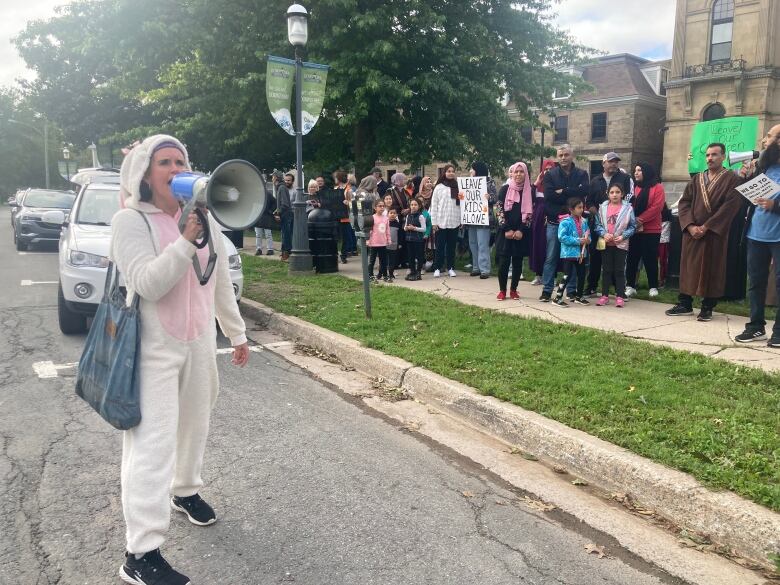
[30, 225]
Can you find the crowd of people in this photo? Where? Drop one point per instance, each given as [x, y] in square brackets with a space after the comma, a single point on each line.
[583, 237]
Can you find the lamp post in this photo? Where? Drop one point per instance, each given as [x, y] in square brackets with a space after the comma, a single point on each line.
[45, 135]
[297, 33]
[66, 156]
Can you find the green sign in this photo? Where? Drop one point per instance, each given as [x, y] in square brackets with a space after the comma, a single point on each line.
[313, 93]
[738, 133]
[279, 78]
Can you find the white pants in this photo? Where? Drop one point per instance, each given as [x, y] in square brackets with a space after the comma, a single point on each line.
[164, 454]
[261, 233]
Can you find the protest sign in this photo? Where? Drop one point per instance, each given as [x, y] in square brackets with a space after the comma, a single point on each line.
[738, 134]
[473, 197]
[759, 187]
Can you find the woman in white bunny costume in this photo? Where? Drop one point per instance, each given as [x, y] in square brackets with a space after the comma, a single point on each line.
[163, 455]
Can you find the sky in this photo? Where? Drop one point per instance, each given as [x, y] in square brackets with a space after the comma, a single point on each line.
[613, 27]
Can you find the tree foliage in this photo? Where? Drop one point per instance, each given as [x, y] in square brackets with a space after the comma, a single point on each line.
[414, 80]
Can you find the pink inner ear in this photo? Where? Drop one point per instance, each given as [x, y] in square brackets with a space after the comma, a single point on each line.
[187, 310]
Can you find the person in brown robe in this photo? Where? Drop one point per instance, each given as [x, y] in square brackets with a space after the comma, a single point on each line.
[706, 211]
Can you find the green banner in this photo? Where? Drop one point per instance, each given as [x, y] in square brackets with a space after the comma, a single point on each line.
[313, 93]
[279, 79]
[738, 133]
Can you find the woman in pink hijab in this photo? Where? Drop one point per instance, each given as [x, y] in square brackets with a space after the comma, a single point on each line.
[514, 209]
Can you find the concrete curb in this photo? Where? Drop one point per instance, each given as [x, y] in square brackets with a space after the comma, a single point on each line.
[750, 530]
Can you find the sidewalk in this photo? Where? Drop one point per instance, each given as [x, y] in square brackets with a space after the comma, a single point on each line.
[639, 319]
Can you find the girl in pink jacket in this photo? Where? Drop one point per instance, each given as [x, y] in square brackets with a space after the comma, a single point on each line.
[378, 240]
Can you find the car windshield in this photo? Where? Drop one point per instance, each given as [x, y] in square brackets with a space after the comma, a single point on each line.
[50, 199]
[97, 206]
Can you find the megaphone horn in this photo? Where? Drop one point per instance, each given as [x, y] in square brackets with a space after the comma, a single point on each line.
[738, 157]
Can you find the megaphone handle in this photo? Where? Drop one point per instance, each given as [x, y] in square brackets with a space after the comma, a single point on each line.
[206, 230]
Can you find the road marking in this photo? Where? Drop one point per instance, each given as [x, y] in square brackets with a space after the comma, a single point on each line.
[35, 253]
[32, 282]
[50, 369]
[224, 350]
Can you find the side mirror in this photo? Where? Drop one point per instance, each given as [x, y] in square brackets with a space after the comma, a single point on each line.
[53, 217]
[12, 201]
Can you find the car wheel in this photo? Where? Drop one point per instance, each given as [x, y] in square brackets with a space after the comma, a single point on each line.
[70, 323]
[20, 245]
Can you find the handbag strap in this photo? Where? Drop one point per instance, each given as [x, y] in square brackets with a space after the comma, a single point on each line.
[112, 274]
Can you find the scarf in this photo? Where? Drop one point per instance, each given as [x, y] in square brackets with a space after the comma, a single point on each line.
[517, 193]
[451, 183]
[539, 184]
[642, 198]
[425, 194]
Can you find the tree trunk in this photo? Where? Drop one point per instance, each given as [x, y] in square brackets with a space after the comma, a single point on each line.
[365, 149]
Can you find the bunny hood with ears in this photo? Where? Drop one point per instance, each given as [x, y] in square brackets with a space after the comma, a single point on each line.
[136, 163]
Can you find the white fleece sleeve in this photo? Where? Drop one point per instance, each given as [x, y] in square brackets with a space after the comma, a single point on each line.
[132, 249]
[226, 308]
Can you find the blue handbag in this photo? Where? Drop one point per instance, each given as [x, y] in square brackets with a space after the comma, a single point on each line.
[108, 369]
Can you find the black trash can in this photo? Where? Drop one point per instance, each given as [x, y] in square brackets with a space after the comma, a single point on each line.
[323, 241]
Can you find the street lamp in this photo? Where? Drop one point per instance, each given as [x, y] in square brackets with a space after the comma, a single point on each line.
[298, 33]
[66, 156]
[45, 135]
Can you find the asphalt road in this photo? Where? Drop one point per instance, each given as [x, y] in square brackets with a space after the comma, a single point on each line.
[310, 487]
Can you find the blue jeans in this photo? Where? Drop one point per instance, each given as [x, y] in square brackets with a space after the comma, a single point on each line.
[287, 231]
[759, 254]
[551, 261]
[479, 244]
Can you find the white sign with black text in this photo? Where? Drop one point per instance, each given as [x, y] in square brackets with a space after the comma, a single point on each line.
[473, 195]
[759, 187]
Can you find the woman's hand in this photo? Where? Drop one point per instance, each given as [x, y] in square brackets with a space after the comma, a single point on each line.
[618, 239]
[192, 229]
[766, 204]
[518, 235]
[608, 237]
[509, 235]
[240, 355]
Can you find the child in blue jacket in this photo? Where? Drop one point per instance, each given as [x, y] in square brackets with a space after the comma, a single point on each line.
[574, 235]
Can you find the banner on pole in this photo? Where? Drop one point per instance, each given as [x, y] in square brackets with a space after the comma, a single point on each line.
[738, 133]
[279, 78]
[315, 76]
[473, 195]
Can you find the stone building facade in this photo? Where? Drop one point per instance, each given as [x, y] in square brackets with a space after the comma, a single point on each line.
[624, 112]
[726, 62]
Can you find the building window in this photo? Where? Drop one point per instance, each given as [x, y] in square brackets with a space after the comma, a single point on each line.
[714, 111]
[561, 129]
[722, 28]
[596, 168]
[598, 129]
[527, 134]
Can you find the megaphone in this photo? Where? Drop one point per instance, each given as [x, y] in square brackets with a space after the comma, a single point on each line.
[234, 194]
[738, 157]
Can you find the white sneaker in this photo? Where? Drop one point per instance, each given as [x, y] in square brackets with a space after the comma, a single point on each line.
[653, 292]
[467, 266]
[631, 291]
[536, 281]
[436, 273]
[452, 273]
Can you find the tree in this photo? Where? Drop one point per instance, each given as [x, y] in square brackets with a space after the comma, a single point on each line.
[418, 80]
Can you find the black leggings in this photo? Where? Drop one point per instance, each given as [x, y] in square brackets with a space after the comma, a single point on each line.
[644, 246]
[415, 255]
[380, 251]
[613, 261]
[503, 270]
[446, 240]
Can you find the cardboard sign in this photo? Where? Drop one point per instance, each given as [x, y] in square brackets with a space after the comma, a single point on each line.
[759, 187]
[738, 134]
[473, 197]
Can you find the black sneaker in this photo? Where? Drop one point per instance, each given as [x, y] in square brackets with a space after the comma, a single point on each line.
[474, 273]
[198, 512]
[560, 303]
[747, 336]
[484, 275]
[582, 301]
[343, 259]
[679, 310]
[773, 342]
[571, 298]
[545, 297]
[258, 252]
[705, 315]
[418, 276]
[150, 569]
[269, 253]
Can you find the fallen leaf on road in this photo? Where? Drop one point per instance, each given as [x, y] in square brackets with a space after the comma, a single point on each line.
[559, 469]
[596, 550]
[538, 504]
[530, 457]
[468, 494]
[579, 482]
[500, 503]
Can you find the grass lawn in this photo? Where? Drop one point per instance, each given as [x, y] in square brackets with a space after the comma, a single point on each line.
[707, 417]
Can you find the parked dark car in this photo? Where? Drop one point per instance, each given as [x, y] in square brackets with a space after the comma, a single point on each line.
[30, 225]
